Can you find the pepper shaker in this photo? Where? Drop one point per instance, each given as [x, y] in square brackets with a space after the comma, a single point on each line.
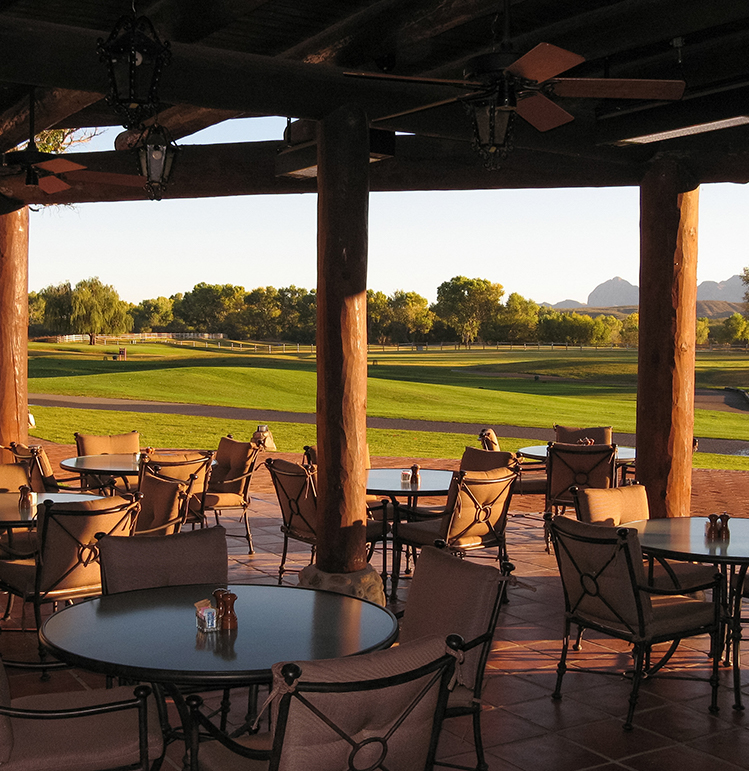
[229, 619]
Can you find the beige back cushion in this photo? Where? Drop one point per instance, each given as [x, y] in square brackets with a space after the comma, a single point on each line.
[160, 501]
[449, 595]
[571, 435]
[12, 477]
[475, 459]
[233, 460]
[110, 444]
[613, 506]
[192, 557]
[310, 745]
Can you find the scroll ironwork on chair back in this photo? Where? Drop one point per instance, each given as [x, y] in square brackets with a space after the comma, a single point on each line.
[578, 465]
[163, 503]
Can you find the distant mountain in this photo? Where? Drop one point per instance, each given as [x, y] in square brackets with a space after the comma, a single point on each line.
[567, 304]
[615, 291]
[730, 291]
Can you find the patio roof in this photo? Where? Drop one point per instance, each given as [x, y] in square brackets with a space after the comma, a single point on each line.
[288, 58]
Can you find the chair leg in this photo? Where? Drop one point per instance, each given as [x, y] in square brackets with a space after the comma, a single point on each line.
[246, 521]
[478, 742]
[562, 665]
[281, 568]
[578, 646]
[8, 607]
[639, 654]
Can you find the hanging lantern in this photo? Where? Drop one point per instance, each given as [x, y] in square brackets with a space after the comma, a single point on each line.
[156, 153]
[134, 56]
[493, 116]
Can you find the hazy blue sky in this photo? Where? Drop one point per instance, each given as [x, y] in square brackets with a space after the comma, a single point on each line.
[548, 245]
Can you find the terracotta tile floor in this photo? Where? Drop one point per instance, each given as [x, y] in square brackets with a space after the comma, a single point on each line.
[522, 727]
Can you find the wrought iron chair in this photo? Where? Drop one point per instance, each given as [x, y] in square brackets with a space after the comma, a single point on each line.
[577, 465]
[41, 475]
[295, 485]
[65, 566]
[451, 595]
[92, 730]
[605, 589]
[228, 485]
[475, 518]
[163, 501]
[377, 710]
[531, 474]
[574, 435]
[106, 444]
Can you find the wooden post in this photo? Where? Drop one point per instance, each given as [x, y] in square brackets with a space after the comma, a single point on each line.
[669, 211]
[343, 205]
[14, 327]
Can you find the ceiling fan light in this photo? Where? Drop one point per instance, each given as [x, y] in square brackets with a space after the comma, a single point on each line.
[492, 130]
[156, 155]
[134, 56]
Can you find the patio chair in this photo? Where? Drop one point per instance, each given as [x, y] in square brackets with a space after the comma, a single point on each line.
[531, 474]
[39, 469]
[163, 501]
[577, 465]
[295, 486]
[605, 589]
[228, 484]
[475, 518]
[191, 557]
[65, 567]
[91, 730]
[13, 477]
[15, 543]
[373, 711]
[454, 596]
[108, 444]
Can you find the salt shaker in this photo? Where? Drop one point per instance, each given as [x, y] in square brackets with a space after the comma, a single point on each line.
[25, 501]
[219, 596]
[712, 526]
[415, 479]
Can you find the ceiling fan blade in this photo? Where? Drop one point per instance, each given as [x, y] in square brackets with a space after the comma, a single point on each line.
[106, 178]
[544, 62]
[618, 88]
[59, 165]
[53, 184]
[542, 113]
[416, 79]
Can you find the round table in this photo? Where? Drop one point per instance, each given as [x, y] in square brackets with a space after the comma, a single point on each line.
[685, 538]
[118, 465]
[540, 452]
[11, 516]
[151, 634]
[388, 481]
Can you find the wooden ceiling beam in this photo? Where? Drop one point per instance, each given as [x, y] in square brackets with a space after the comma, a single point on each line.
[51, 106]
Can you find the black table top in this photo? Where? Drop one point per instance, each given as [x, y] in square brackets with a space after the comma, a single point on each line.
[151, 634]
[387, 481]
[685, 538]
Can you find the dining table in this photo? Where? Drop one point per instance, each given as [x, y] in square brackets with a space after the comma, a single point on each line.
[12, 515]
[391, 483]
[688, 539]
[541, 451]
[116, 464]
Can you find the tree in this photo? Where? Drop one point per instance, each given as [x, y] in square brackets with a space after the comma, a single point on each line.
[465, 303]
[409, 315]
[516, 322]
[745, 281]
[207, 307]
[735, 329]
[630, 331]
[156, 314]
[96, 309]
[58, 307]
[702, 331]
[298, 319]
[379, 316]
[261, 315]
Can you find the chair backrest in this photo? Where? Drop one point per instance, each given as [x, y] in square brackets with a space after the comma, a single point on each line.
[489, 440]
[479, 515]
[192, 467]
[163, 502]
[38, 468]
[377, 710]
[612, 506]
[13, 476]
[474, 459]
[601, 569]
[109, 444]
[593, 435]
[235, 463]
[449, 595]
[68, 550]
[578, 465]
[191, 557]
[297, 495]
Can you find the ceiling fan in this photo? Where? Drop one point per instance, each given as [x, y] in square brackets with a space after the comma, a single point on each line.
[500, 84]
[45, 170]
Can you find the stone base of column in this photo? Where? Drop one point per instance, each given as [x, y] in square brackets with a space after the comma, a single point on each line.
[365, 584]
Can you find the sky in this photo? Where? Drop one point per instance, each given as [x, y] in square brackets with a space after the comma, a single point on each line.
[547, 245]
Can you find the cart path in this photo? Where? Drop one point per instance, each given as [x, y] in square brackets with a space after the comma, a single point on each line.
[536, 435]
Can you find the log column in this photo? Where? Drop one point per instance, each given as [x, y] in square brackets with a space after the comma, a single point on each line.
[14, 327]
[343, 209]
[669, 210]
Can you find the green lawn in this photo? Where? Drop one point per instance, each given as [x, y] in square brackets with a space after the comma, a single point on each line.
[534, 388]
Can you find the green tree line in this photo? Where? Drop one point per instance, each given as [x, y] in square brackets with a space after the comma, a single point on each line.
[467, 310]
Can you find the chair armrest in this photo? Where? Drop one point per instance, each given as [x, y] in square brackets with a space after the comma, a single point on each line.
[718, 583]
[234, 479]
[141, 693]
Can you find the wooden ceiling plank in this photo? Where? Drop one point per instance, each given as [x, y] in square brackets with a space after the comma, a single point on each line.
[52, 105]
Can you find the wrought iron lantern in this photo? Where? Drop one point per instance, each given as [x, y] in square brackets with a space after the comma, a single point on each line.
[134, 56]
[156, 153]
